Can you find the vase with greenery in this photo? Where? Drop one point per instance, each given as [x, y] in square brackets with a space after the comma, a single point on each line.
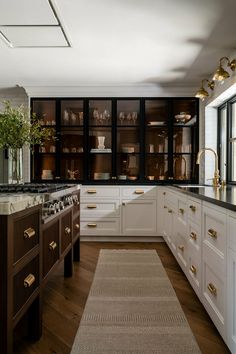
[17, 129]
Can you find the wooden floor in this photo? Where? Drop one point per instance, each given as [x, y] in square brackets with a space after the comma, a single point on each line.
[64, 301]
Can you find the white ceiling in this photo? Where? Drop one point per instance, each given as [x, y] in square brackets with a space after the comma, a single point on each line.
[117, 42]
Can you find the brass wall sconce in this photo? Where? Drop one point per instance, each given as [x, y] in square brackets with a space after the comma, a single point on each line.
[202, 92]
[221, 74]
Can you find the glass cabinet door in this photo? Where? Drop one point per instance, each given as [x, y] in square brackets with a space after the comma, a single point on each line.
[72, 140]
[44, 157]
[128, 139]
[100, 139]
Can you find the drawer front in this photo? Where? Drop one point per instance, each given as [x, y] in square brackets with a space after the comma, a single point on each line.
[98, 191]
[214, 296]
[50, 246]
[100, 227]
[103, 208]
[214, 230]
[76, 226]
[194, 211]
[26, 234]
[24, 283]
[194, 237]
[66, 231]
[181, 250]
[194, 271]
[139, 192]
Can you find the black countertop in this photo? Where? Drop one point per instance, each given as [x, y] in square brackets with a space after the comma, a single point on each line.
[224, 197]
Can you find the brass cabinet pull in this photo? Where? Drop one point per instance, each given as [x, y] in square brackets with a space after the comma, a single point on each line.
[30, 232]
[67, 230]
[193, 269]
[212, 289]
[52, 246]
[29, 280]
[170, 211]
[92, 224]
[139, 191]
[164, 193]
[165, 207]
[77, 226]
[193, 235]
[91, 206]
[123, 203]
[212, 233]
[181, 248]
[91, 191]
[181, 211]
[192, 207]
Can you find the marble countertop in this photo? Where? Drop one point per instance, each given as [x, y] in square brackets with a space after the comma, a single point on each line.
[11, 203]
[222, 196]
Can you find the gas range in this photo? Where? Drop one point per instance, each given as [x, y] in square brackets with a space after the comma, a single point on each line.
[32, 188]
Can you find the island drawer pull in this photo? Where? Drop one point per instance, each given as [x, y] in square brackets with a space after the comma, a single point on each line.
[192, 207]
[77, 226]
[170, 211]
[181, 210]
[29, 280]
[181, 248]
[193, 269]
[52, 246]
[139, 191]
[91, 191]
[212, 233]
[91, 206]
[67, 230]
[30, 232]
[91, 224]
[212, 289]
[193, 235]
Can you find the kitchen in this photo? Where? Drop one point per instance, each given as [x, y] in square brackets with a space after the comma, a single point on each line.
[137, 136]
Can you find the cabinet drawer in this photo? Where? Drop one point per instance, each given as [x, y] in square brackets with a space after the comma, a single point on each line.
[139, 192]
[98, 191]
[194, 271]
[100, 227]
[50, 246]
[214, 230]
[181, 250]
[194, 211]
[24, 283]
[214, 296]
[66, 231]
[26, 234]
[97, 208]
[76, 226]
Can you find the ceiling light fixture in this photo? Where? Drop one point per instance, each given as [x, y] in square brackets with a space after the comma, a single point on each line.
[221, 74]
[202, 92]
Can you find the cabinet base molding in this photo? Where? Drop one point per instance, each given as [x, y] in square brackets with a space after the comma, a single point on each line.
[121, 239]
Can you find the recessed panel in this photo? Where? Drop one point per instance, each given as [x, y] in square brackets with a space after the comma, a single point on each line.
[26, 12]
[35, 36]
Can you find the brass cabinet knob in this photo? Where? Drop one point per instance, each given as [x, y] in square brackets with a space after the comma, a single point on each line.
[193, 269]
[52, 246]
[28, 233]
[92, 224]
[123, 203]
[212, 289]
[181, 248]
[192, 207]
[91, 206]
[193, 236]
[212, 233]
[77, 226]
[67, 230]
[164, 193]
[139, 191]
[91, 191]
[29, 280]
[181, 211]
[170, 211]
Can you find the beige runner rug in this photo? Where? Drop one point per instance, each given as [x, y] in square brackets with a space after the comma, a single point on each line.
[133, 309]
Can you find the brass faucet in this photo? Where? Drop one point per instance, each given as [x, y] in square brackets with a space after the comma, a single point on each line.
[216, 178]
[185, 165]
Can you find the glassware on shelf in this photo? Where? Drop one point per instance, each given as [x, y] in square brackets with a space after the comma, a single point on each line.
[73, 174]
[134, 117]
[73, 117]
[122, 117]
[66, 117]
[129, 118]
[101, 140]
[81, 118]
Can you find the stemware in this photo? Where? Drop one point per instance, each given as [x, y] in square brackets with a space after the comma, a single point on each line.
[134, 117]
[122, 117]
[129, 118]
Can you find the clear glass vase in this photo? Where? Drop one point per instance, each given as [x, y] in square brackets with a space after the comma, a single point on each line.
[16, 168]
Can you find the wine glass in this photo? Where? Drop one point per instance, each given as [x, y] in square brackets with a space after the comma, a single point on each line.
[134, 117]
[107, 116]
[129, 118]
[122, 117]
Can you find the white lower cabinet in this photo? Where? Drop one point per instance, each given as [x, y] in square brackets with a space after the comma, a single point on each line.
[100, 227]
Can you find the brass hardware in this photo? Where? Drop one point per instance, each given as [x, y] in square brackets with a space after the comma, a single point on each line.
[221, 74]
[139, 191]
[123, 203]
[91, 206]
[67, 230]
[212, 233]
[77, 226]
[92, 224]
[212, 289]
[91, 191]
[52, 246]
[216, 177]
[193, 235]
[170, 211]
[202, 92]
[181, 211]
[165, 207]
[181, 248]
[30, 232]
[192, 207]
[193, 269]
[164, 193]
[29, 280]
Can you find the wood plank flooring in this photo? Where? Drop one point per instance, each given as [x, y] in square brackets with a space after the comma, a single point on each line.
[64, 301]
